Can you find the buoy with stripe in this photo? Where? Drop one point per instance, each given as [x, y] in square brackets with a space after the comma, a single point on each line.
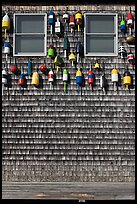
[4, 79]
[35, 79]
[51, 20]
[127, 79]
[79, 79]
[65, 79]
[51, 78]
[21, 80]
[6, 24]
[114, 78]
[65, 17]
[58, 26]
[90, 78]
[79, 50]
[66, 46]
[130, 59]
[7, 47]
[72, 58]
[43, 69]
[51, 51]
[121, 50]
[130, 21]
[123, 26]
[72, 23]
[78, 19]
[103, 81]
[58, 62]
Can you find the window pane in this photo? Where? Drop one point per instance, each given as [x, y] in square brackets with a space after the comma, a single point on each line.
[29, 44]
[29, 24]
[99, 24]
[100, 44]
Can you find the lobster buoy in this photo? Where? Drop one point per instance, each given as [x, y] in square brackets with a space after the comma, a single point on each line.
[21, 80]
[72, 23]
[103, 83]
[90, 79]
[6, 24]
[29, 67]
[51, 20]
[121, 50]
[72, 58]
[97, 66]
[58, 62]
[127, 79]
[35, 79]
[65, 79]
[123, 27]
[130, 59]
[66, 45]
[51, 51]
[79, 79]
[4, 79]
[43, 69]
[130, 21]
[114, 78]
[58, 26]
[65, 16]
[78, 18]
[130, 39]
[51, 78]
[79, 50]
[14, 69]
[7, 47]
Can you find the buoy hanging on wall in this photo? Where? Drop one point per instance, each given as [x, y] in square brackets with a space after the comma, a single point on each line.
[51, 20]
[43, 69]
[14, 69]
[65, 79]
[78, 18]
[66, 46]
[4, 79]
[130, 59]
[35, 79]
[90, 79]
[58, 62]
[123, 26]
[72, 23]
[130, 21]
[97, 65]
[51, 51]
[79, 79]
[6, 24]
[58, 26]
[121, 50]
[51, 78]
[127, 79]
[114, 78]
[7, 47]
[72, 58]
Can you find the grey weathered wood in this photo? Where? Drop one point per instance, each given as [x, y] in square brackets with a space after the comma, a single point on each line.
[69, 190]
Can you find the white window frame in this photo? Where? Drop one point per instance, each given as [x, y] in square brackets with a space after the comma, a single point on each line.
[95, 34]
[27, 34]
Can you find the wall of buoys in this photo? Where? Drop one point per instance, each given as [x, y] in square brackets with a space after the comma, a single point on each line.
[66, 116]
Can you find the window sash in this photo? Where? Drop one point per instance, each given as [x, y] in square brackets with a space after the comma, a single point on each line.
[41, 35]
[114, 35]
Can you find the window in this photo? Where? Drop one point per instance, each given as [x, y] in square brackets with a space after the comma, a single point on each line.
[30, 33]
[100, 34]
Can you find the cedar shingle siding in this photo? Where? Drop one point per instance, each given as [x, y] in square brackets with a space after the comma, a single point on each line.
[55, 136]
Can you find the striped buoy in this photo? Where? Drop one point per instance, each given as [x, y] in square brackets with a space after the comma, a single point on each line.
[79, 79]
[51, 78]
[90, 79]
[65, 79]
